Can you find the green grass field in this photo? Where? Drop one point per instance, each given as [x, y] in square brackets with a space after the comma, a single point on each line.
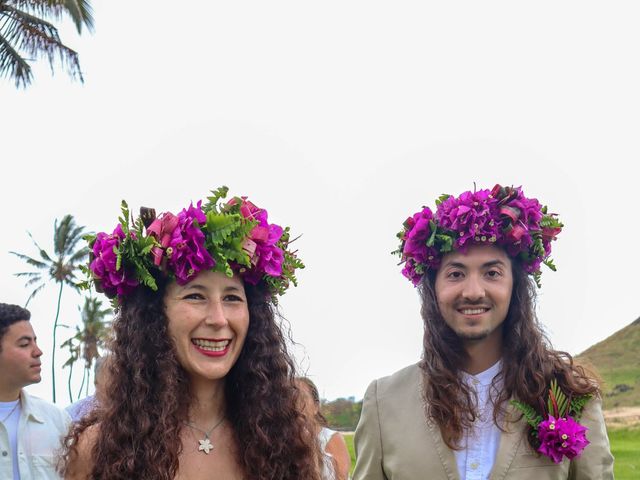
[625, 445]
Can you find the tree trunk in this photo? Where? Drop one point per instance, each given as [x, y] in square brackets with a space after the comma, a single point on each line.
[53, 352]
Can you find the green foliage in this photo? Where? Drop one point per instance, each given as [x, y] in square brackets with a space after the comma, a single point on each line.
[532, 417]
[342, 413]
[216, 195]
[617, 361]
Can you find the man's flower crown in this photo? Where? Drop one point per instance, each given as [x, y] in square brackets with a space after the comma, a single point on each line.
[502, 216]
[233, 238]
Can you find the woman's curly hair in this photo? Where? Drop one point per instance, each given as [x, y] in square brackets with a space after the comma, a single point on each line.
[138, 429]
[528, 362]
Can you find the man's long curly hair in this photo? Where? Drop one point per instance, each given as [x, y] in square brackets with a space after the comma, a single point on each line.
[138, 429]
[528, 363]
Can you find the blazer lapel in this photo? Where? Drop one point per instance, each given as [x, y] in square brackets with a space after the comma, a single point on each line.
[445, 454]
[509, 443]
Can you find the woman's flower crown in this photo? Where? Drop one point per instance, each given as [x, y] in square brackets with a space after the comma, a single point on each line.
[233, 238]
[502, 216]
[556, 430]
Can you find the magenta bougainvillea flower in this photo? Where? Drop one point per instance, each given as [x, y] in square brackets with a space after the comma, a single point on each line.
[186, 252]
[472, 215]
[113, 281]
[561, 437]
[415, 251]
[261, 245]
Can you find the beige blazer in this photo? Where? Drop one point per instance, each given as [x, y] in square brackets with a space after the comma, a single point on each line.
[395, 441]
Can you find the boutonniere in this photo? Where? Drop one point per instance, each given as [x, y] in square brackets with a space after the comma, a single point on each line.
[556, 430]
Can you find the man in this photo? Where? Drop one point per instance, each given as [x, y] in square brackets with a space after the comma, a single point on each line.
[30, 428]
[84, 406]
[490, 399]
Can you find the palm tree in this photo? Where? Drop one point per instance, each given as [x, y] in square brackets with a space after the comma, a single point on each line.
[24, 30]
[61, 269]
[88, 341]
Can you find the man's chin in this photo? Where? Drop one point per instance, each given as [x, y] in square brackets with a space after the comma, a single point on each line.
[473, 336]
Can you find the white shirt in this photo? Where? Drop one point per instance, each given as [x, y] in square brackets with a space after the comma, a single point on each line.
[82, 407]
[482, 440]
[41, 427]
[328, 470]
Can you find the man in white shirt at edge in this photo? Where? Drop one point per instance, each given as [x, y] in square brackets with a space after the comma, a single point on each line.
[31, 429]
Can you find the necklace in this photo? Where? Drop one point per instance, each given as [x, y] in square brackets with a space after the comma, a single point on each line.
[205, 444]
[11, 412]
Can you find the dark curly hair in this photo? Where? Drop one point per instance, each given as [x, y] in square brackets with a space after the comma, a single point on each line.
[138, 430]
[528, 362]
[10, 314]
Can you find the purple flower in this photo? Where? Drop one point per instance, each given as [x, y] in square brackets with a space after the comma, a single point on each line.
[113, 282]
[414, 250]
[266, 257]
[472, 216]
[186, 252]
[561, 436]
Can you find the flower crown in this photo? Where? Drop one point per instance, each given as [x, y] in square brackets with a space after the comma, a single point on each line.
[232, 237]
[502, 216]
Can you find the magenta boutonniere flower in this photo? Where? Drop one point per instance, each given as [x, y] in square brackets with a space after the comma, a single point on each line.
[556, 428]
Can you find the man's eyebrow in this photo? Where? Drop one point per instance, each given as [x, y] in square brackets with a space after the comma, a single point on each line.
[493, 263]
[488, 264]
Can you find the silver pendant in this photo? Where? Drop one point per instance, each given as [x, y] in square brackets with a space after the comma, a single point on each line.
[205, 445]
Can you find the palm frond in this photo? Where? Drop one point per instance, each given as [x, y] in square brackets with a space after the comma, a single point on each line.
[12, 64]
[81, 13]
[43, 253]
[31, 261]
[39, 38]
[79, 256]
[34, 293]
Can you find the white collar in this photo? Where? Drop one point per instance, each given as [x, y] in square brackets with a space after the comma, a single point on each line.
[483, 378]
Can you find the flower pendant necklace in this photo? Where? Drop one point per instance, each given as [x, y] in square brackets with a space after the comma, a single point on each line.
[205, 444]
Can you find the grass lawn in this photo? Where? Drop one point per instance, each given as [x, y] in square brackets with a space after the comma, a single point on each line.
[625, 445]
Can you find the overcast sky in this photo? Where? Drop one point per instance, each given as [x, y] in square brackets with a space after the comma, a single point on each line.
[341, 118]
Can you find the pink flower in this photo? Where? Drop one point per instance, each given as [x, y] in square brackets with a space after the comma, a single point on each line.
[113, 282]
[414, 250]
[261, 246]
[561, 437]
[186, 252]
[471, 216]
[162, 229]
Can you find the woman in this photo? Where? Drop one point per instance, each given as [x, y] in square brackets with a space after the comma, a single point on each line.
[202, 384]
[336, 458]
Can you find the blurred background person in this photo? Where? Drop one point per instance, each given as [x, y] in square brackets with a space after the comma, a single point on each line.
[336, 458]
[77, 410]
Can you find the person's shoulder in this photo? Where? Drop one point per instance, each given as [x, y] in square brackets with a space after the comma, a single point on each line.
[46, 411]
[406, 378]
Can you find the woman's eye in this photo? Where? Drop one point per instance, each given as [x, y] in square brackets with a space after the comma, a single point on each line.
[233, 298]
[493, 273]
[193, 296]
[455, 275]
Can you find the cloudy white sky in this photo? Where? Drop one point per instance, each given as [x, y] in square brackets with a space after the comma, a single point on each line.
[342, 118]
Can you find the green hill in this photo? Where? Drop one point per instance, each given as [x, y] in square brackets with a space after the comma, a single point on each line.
[617, 360]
